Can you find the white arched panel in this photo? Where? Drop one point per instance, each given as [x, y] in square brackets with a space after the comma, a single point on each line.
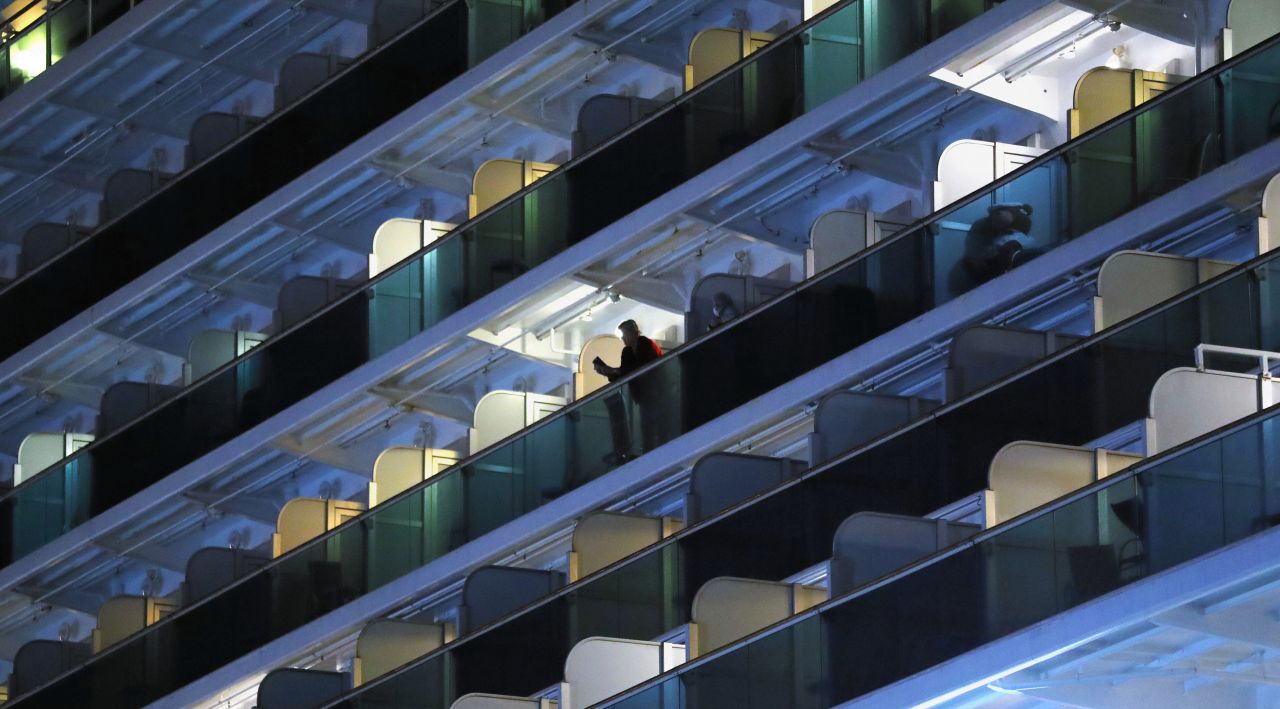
[835, 236]
[813, 7]
[211, 349]
[498, 179]
[1102, 94]
[385, 644]
[1129, 282]
[602, 538]
[39, 451]
[398, 239]
[982, 354]
[1187, 403]
[845, 420]
[607, 348]
[1026, 474]
[122, 616]
[399, 468]
[598, 668]
[726, 609]
[717, 48]
[305, 518]
[869, 545]
[502, 413]
[1269, 224]
[967, 166]
[1249, 23]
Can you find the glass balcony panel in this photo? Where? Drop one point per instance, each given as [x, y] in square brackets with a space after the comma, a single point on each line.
[726, 114]
[28, 55]
[821, 320]
[47, 32]
[69, 27]
[277, 151]
[1168, 512]
[1076, 397]
[107, 11]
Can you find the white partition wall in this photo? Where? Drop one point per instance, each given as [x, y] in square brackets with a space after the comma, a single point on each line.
[293, 687]
[1129, 282]
[1187, 403]
[213, 348]
[721, 480]
[39, 661]
[211, 569]
[1249, 22]
[603, 116]
[738, 293]
[213, 131]
[498, 701]
[1102, 94]
[982, 354]
[502, 413]
[585, 379]
[125, 401]
[384, 645]
[400, 468]
[302, 296]
[305, 518]
[1026, 474]
[46, 241]
[717, 48]
[869, 545]
[497, 179]
[491, 592]
[845, 420]
[397, 239]
[1269, 222]
[601, 538]
[598, 668]
[126, 188]
[813, 7]
[726, 609]
[42, 450]
[123, 616]
[1094, 546]
[969, 165]
[835, 236]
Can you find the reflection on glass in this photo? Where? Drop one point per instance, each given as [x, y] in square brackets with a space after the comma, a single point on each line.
[45, 31]
[43, 34]
[416, 55]
[27, 55]
[562, 209]
[1074, 397]
[1169, 511]
[825, 318]
[68, 26]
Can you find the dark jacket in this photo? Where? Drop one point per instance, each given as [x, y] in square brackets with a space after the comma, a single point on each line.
[646, 351]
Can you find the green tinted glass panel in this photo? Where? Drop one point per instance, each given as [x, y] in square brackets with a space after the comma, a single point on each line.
[869, 295]
[1170, 511]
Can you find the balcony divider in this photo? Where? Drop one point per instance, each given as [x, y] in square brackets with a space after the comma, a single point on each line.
[698, 130]
[448, 41]
[1075, 396]
[1218, 116]
[1196, 499]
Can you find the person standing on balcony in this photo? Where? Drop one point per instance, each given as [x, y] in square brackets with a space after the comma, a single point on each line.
[637, 351]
